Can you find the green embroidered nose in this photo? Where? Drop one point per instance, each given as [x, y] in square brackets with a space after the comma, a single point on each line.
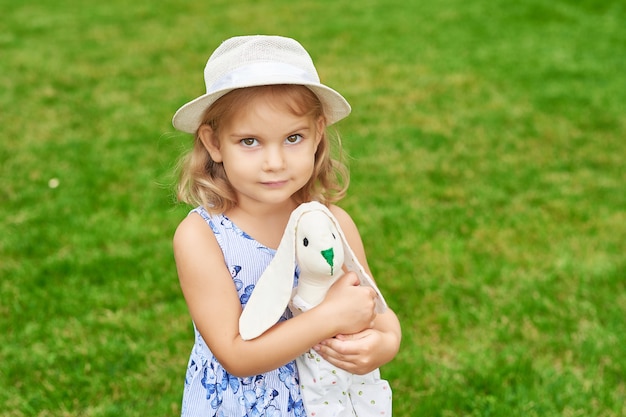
[329, 255]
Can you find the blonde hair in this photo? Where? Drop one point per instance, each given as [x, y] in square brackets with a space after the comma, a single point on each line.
[203, 181]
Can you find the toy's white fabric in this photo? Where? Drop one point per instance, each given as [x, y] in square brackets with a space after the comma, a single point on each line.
[326, 390]
[332, 392]
[275, 287]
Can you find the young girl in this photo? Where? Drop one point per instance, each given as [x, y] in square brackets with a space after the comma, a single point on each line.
[260, 150]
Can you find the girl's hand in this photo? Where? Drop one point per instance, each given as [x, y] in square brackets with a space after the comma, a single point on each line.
[350, 306]
[362, 352]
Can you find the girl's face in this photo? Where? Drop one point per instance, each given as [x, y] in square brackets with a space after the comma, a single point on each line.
[267, 151]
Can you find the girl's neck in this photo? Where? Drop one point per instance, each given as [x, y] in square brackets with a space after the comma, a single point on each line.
[263, 223]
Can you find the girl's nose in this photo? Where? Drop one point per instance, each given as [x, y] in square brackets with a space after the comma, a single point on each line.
[274, 160]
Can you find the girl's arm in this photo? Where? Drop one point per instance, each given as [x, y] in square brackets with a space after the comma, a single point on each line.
[371, 348]
[215, 308]
[362, 352]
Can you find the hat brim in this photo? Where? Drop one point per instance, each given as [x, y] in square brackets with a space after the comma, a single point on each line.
[189, 116]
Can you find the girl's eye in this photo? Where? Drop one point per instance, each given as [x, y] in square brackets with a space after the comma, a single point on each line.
[248, 142]
[293, 138]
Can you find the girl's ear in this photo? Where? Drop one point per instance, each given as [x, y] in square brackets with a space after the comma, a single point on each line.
[211, 142]
[320, 128]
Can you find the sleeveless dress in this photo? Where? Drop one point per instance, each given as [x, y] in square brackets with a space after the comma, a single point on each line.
[210, 390]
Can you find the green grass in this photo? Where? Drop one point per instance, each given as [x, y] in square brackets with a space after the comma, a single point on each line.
[487, 143]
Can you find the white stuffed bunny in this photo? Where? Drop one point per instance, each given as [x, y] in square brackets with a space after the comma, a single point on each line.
[315, 241]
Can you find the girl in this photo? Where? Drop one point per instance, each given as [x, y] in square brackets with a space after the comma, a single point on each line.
[260, 150]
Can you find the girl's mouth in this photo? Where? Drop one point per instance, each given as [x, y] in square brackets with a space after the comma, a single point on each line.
[274, 184]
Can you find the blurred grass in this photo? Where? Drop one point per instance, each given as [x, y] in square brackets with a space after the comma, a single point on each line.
[487, 145]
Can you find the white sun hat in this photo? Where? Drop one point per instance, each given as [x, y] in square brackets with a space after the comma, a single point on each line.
[247, 61]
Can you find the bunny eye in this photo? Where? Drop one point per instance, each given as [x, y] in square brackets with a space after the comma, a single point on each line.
[305, 242]
[333, 236]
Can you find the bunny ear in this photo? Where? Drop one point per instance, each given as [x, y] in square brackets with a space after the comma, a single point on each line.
[272, 293]
[352, 264]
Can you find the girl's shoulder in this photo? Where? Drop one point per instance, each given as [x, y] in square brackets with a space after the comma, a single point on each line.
[201, 221]
[350, 230]
[343, 217]
[194, 232]
[337, 211]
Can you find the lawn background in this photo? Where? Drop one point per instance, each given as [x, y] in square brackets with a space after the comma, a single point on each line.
[487, 147]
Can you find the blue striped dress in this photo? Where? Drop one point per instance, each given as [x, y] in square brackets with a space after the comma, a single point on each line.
[209, 389]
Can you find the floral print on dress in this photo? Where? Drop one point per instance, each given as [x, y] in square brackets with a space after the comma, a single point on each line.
[253, 394]
[209, 389]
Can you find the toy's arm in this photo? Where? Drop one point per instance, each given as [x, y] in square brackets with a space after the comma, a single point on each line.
[214, 306]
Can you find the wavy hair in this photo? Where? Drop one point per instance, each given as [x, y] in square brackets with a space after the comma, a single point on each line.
[203, 181]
